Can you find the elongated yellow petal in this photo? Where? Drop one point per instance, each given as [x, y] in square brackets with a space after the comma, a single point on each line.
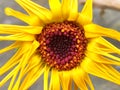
[12, 62]
[89, 82]
[80, 81]
[55, 7]
[101, 31]
[12, 81]
[46, 73]
[24, 62]
[26, 9]
[73, 10]
[104, 45]
[86, 15]
[44, 14]
[55, 81]
[4, 80]
[94, 48]
[70, 9]
[18, 58]
[16, 29]
[31, 70]
[99, 52]
[65, 78]
[29, 19]
[88, 9]
[10, 47]
[18, 37]
[91, 35]
[78, 76]
[66, 8]
[33, 62]
[101, 59]
[31, 77]
[101, 70]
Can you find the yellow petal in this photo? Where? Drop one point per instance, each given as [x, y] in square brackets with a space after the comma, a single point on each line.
[91, 35]
[15, 29]
[101, 31]
[81, 79]
[94, 48]
[24, 61]
[29, 19]
[24, 64]
[12, 62]
[44, 14]
[55, 81]
[101, 59]
[103, 45]
[12, 81]
[112, 57]
[18, 37]
[89, 82]
[31, 77]
[10, 47]
[69, 9]
[33, 62]
[78, 76]
[66, 8]
[101, 70]
[106, 46]
[46, 73]
[86, 15]
[75, 87]
[4, 80]
[73, 10]
[88, 9]
[55, 7]
[65, 78]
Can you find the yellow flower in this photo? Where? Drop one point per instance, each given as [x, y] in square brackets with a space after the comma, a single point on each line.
[62, 41]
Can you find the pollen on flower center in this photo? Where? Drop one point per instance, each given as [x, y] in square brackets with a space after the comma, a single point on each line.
[62, 45]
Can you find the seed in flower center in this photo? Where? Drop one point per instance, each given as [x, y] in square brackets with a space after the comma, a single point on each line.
[62, 45]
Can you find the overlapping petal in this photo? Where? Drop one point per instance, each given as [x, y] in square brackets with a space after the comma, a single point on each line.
[34, 9]
[18, 37]
[73, 10]
[16, 29]
[10, 47]
[22, 61]
[101, 70]
[94, 48]
[81, 78]
[46, 76]
[32, 76]
[55, 80]
[86, 15]
[29, 19]
[55, 6]
[66, 80]
[98, 31]
[69, 9]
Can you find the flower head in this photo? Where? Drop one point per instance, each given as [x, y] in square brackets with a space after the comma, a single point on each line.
[62, 41]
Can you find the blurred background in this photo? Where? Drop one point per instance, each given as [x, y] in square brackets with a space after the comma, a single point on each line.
[107, 17]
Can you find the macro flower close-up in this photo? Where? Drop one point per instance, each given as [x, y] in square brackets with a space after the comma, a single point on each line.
[60, 43]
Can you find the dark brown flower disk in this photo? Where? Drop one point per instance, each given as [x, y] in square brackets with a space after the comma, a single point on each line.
[62, 45]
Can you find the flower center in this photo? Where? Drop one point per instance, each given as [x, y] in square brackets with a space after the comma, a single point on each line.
[62, 45]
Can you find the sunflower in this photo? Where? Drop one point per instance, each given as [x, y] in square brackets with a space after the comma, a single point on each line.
[60, 42]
